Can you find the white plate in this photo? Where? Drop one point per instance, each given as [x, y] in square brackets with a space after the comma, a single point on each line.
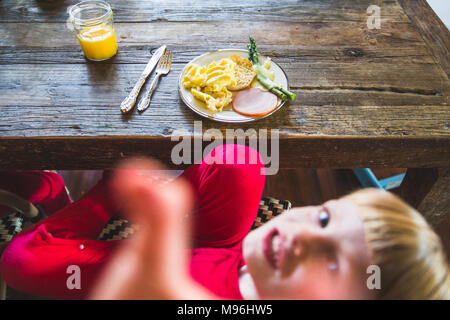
[227, 114]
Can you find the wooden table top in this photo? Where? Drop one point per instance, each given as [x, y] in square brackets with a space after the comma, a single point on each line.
[365, 98]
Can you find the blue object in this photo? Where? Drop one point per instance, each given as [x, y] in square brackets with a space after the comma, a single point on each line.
[369, 180]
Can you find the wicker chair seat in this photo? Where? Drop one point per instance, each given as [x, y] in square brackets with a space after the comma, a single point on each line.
[119, 229]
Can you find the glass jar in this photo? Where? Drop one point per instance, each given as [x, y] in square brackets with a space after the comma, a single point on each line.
[93, 24]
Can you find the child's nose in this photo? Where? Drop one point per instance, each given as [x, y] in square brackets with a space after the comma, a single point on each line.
[308, 242]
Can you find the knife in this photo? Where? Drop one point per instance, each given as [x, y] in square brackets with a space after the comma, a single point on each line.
[129, 102]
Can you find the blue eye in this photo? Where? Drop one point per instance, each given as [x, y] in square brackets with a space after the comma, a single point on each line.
[324, 218]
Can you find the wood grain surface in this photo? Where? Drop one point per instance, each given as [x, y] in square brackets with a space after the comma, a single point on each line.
[365, 97]
[209, 10]
[432, 29]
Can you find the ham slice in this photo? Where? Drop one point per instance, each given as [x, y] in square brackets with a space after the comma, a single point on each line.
[254, 102]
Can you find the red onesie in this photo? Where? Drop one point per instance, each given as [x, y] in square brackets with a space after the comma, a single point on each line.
[227, 199]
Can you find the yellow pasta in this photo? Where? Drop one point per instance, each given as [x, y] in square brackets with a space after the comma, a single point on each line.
[209, 84]
[195, 76]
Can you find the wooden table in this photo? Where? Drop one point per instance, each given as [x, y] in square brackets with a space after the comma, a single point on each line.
[365, 98]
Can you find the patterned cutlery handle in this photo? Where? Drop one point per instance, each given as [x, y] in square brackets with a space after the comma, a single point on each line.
[129, 102]
[145, 102]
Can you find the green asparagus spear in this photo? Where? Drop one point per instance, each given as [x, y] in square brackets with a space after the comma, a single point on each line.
[253, 56]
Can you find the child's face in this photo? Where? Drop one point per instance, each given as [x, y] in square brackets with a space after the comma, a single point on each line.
[310, 253]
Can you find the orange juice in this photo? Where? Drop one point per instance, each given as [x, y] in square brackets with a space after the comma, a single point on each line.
[98, 42]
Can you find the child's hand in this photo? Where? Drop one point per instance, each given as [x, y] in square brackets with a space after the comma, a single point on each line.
[154, 263]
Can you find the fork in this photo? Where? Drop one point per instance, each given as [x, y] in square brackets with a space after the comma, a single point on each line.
[162, 68]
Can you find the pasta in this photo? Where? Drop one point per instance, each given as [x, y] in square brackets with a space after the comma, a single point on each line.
[209, 84]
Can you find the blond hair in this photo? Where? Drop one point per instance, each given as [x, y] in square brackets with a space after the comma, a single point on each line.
[409, 253]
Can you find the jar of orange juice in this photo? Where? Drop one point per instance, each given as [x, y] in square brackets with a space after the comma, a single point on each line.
[93, 24]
